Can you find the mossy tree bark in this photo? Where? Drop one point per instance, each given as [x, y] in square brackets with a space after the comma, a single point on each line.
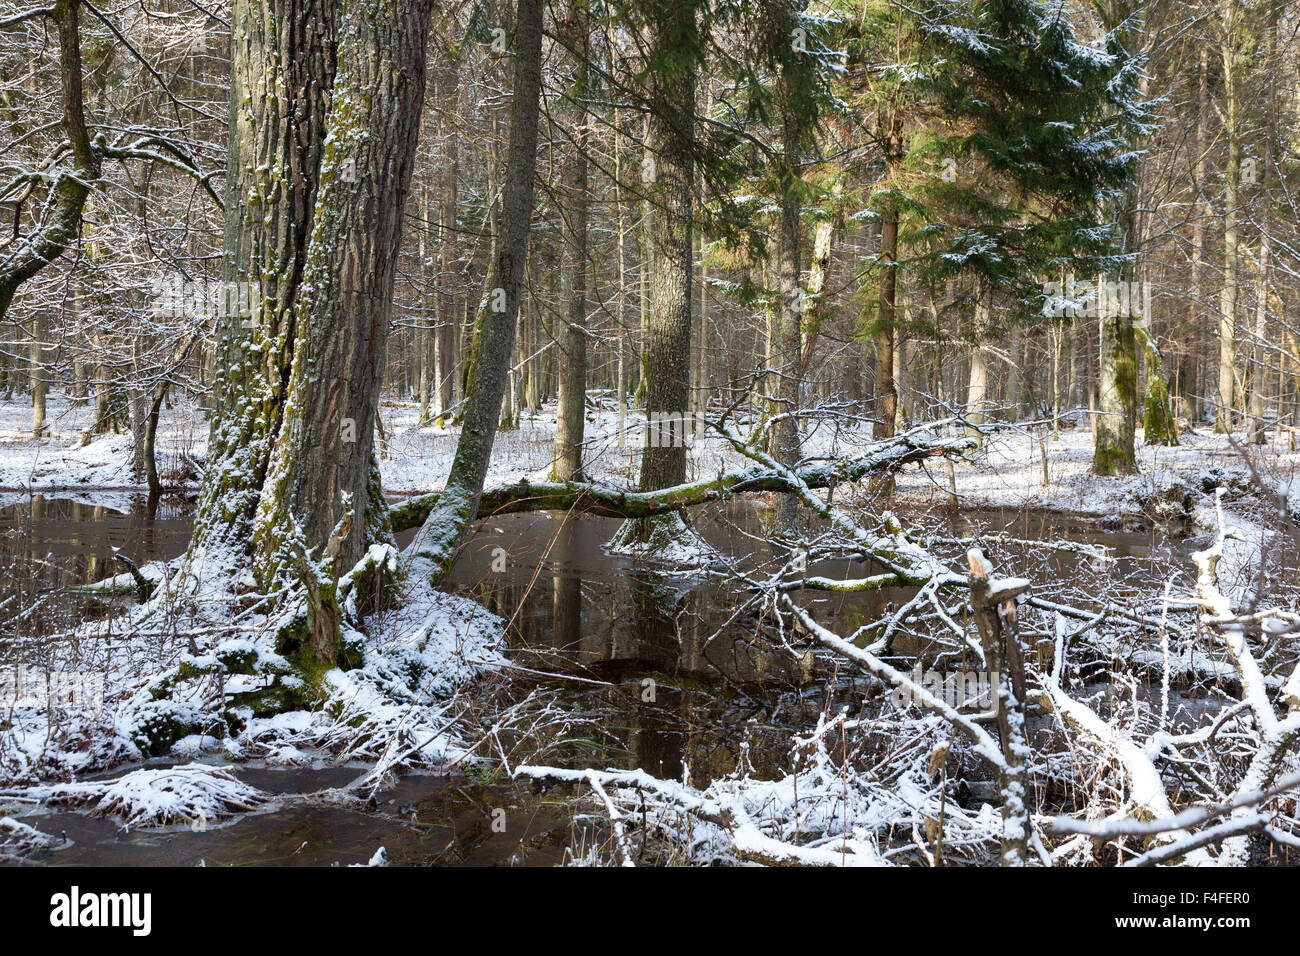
[606, 501]
[1113, 433]
[498, 313]
[1116, 424]
[320, 467]
[325, 105]
[1158, 424]
[282, 66]
[668, 171]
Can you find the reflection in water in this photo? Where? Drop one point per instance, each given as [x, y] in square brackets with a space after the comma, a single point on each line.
[49, 543]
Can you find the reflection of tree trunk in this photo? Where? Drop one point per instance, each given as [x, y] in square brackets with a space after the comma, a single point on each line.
[566, 605]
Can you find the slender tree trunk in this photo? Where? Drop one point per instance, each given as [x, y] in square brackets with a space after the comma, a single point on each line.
[789, 363]
[886, 391]
[449, 240]
[31, 253]
[1201, 213]
[571, 415]
[38, 375]
[1223, 420]
[445, 527]
[977, 389]
[424, 333]
[1258, 346]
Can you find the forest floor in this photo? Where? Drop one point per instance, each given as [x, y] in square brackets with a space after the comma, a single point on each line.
[381, 697]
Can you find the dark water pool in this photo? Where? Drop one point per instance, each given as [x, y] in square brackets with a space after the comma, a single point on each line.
[660, 670]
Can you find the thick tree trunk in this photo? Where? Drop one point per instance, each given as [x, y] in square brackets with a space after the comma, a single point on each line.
[321, 465]
[1113, 432]
[667, 173]
[282, 65]
[325, 108]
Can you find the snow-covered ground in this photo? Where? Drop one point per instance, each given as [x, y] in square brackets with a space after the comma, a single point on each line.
[415, 460]
[396, 709]
[1010, 472]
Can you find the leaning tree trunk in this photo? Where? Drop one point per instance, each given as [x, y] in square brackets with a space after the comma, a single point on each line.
[498, 314]
[570, 417]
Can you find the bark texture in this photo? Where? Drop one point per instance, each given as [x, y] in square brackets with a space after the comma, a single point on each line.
[498, 313]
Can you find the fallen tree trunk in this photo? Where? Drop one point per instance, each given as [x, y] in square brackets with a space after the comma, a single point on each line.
[608, 501]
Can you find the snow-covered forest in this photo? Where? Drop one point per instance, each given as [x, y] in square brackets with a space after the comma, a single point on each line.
[650, 432]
